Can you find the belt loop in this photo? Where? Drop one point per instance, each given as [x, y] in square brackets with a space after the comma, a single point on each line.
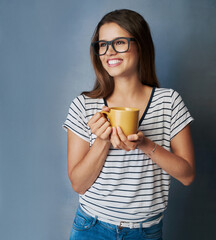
[140, 227]
[95, 220]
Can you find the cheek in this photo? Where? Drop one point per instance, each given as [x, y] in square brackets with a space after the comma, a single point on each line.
[103, 61]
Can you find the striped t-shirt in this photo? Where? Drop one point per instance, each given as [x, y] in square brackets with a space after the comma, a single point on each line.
[130, 186]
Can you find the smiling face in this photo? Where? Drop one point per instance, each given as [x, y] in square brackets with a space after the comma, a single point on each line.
[118, 64]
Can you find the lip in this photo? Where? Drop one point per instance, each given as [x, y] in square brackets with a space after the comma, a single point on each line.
[114, 62]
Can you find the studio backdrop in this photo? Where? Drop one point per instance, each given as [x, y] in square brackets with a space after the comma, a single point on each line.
[45, 64]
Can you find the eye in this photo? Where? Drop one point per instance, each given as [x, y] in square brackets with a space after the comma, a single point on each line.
[102, 44]
[119, 42]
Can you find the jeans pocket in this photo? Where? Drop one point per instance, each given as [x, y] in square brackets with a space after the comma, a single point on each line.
[82, 221]
[154, 232]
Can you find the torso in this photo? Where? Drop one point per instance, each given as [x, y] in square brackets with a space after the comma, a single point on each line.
[131, 187]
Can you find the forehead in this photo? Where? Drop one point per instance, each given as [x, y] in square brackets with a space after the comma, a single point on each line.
[109, 31]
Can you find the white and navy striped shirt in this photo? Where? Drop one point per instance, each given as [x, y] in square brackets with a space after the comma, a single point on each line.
[131, 187]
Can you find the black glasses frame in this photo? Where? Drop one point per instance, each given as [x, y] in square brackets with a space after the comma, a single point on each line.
[111, 43]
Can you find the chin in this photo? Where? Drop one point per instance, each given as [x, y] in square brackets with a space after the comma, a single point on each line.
[116, 72]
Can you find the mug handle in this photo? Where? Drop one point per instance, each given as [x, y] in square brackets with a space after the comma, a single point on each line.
[106, 113]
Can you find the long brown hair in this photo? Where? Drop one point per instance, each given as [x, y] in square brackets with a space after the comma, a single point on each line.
[136, 25]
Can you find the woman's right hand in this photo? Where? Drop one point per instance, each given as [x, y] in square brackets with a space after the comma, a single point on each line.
[100, 126]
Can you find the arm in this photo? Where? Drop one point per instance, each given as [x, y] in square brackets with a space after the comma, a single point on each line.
[179, 164]
[85, 163]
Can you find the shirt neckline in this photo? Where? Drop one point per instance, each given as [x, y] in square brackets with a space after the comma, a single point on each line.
[147, 107]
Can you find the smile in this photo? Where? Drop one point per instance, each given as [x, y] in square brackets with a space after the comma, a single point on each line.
[114, 62]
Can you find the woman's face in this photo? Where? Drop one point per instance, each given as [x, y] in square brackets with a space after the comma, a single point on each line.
[118, 64]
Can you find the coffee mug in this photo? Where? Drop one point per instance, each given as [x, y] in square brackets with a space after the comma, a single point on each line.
[124, 117]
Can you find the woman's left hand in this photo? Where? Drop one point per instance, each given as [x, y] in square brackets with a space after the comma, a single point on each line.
[127, 143]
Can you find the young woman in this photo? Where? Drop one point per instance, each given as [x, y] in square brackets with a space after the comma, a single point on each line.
[124, 182]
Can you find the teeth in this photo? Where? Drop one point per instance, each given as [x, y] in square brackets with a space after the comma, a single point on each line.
[114, 61]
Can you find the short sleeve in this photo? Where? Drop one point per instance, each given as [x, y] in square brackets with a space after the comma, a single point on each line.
[180, 116]
[76, 119]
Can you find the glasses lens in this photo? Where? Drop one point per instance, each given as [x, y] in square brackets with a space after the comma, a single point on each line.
[121, 45]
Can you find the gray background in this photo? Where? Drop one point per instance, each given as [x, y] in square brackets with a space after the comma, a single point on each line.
[44, 64]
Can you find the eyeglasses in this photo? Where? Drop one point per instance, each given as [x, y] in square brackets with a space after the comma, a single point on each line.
[120, 45]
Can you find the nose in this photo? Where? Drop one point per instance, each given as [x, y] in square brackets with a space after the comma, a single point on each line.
[110, 49]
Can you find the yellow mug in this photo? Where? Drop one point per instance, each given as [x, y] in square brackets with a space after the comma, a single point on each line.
[126, 118]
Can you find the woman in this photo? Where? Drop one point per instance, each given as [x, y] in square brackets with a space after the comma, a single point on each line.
[124, 182]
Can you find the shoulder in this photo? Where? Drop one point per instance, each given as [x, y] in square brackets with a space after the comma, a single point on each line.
[166, 97]
[78, 103]
[163, 94]
[83, 100]
[164, 91]
[167, 93]
[87, 105]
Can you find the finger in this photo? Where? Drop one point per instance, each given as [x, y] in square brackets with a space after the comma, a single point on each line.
[140, 135]
[121, 135]
[128, 145]
[97, 125]
[115, 139]
[94, 119]
[136, 137]
[133, 137]
[106, 133]
[105, 108]
[102, 128]
[121, 138]
[115, 136]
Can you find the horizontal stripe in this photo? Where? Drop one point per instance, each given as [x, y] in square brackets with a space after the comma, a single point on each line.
[155, 111]
[134, 172]
[161, 192]
[126, 203]
[136, 190]
[129, 184]
[128, 178]
[131, 166]
[158, 116]
[159, 105]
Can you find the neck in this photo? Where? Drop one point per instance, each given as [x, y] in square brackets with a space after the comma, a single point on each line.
[127, 87]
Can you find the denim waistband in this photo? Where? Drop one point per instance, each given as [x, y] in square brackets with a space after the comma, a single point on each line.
[112, 225]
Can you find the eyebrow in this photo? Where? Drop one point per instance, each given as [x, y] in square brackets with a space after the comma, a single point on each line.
[113, 39]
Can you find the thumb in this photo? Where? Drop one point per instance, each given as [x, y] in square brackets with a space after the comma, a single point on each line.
[105, 108]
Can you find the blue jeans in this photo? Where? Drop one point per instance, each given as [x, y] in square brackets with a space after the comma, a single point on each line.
[86, 227]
